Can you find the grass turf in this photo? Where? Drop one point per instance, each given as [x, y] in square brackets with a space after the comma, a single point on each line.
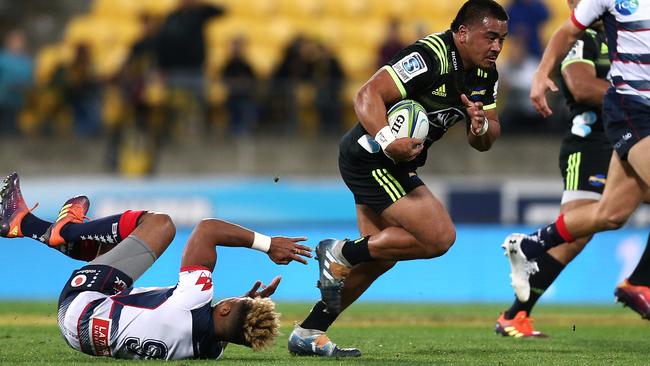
[387, 334]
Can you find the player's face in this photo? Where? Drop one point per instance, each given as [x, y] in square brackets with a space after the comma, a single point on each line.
[485, 41]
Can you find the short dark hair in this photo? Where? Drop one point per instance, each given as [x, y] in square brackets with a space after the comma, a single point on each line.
[475, 10]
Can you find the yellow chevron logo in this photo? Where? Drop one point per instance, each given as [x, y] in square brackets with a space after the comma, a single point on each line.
[14, 231]
[441, 91]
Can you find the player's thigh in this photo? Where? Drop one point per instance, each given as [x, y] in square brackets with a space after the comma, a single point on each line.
[638, 159]
[423, 215]
[369, 221]
[623, 192]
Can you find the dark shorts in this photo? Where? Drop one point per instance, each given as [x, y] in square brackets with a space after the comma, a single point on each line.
[377, 186]
[98, 278]
[584, 165]
[626, 119]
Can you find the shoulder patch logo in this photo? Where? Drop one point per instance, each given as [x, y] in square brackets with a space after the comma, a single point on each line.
[627, 7]
[78, 280]
[410, 66]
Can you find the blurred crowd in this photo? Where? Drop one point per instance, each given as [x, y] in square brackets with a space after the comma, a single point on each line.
[162, 90]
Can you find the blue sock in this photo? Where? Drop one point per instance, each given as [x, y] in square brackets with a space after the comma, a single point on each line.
[104, 230]
[33, 227]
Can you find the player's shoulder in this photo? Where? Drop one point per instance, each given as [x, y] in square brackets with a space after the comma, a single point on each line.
[437, 45]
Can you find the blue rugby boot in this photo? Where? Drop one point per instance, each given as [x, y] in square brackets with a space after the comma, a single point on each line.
[313, 342]
[332, 270]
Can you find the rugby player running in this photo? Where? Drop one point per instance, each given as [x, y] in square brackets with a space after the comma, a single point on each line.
[453, 75]
[626, 120]
[584, 161]
[101, 314]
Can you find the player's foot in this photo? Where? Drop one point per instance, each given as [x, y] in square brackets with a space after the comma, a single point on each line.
[520, 267]
[73, 211]
[521, 326]
[332, 273]
[313, 342]
[636, 298]
[12, 207]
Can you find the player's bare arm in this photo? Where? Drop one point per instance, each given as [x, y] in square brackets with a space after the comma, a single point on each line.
[200, 248]
[559, 45]
[370, 106]
[484, 126]
[586, 88]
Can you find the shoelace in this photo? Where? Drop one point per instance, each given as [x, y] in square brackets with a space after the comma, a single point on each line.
[75, 215]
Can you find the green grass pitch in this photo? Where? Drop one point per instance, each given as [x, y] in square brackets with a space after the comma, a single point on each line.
[387, 334]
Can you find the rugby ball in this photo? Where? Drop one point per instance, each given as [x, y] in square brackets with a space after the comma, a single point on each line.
[408, 118]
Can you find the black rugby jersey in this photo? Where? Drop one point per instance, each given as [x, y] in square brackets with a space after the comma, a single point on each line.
[431, 72]
[592, 49]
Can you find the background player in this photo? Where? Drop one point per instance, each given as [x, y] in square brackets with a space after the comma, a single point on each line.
[584, 161]
[626, 116]
[101, 314]
[453, 75]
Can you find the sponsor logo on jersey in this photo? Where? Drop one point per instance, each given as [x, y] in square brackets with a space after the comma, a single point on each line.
[78, 280]
[441, 91]
[478, 91]
[446, 118]
[204, 280]
[99, 332]
[410, 66]
[453, 60]
[598, 180]
[627, 7]
[623, 140]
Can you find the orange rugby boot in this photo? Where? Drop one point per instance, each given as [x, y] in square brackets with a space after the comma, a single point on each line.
[521, 326]
[73, 211]
[636, 298]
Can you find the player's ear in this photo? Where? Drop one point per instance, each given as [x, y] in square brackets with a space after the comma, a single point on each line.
[462, 33]
[223, 309]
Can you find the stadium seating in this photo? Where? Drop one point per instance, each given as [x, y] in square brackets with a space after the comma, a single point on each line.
[352, 29]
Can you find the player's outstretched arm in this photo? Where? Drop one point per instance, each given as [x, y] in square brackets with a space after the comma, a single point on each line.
[557, 48]
[201, 246]
[484, 127]
[370, 107]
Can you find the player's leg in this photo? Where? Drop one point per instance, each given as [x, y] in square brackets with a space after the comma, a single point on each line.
[622, 195]
[583, 165]
[320, 318]
[417, 227]
[638, 159]
[149, 235]
[516, 321]
[634, 291]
